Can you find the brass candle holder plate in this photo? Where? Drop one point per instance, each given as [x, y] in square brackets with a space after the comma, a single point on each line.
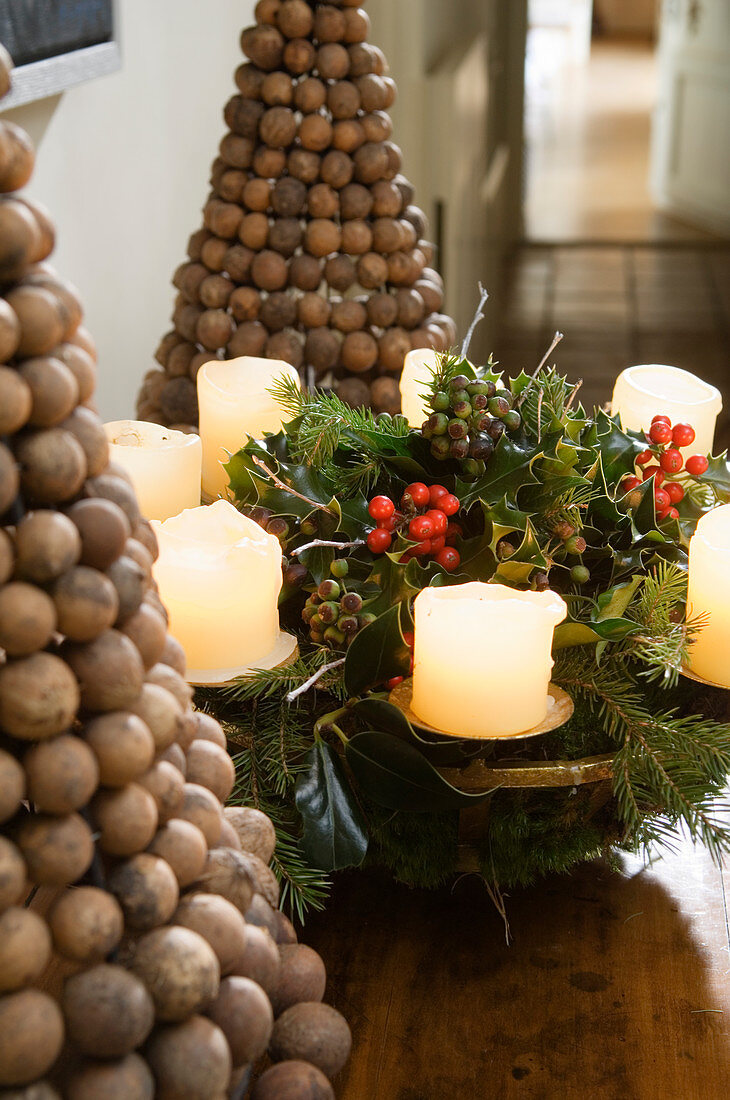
[690, 675]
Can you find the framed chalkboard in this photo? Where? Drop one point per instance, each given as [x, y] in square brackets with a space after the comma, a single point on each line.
[55, 44]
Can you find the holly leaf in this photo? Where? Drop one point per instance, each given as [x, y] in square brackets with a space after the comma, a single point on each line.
[503, 519]
[528, 556]
[614, 601]
[396, 775]
[391, 580]
[509, 468]
[618, 448]
[377, 653]
[335, 830]
[717, 476]
[445, 751]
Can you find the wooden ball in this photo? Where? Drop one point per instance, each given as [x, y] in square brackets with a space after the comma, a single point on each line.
[7, 554]
[322, 201]
[340, 272]
[229, 873]
[86, 924]
[9, 478]
[180, 969]
[254, 829]
[231, 184]
[243, 1012]
[264, 45]
[210, 766]
[62, 774]
[292, 1080]
[254, 231]
[285, 345]
[329, 23]
[32, 712]
[214, 329]
[109, 671]
[108, 1011]
[259, 960]
[401, 271]
[393, 346]
[269, 270]
[214, 292]
[372, 270]
[305, 272]
[348, 135]
[228, 837]
[356, 201]
[302, 977]
[333, 61]
[313, 310]
[385, 394]
[288, 197]
[354, 391]
[387, 199]
[54, 390]
[249, 80]
[164, 783]
[123, 746]
[20, 239]
[86, 427]
[190, 1061]
[213, 255]
[185, 316]
[202, 808]
[315, 133]
[343, 99]
[12, 788]
[256, 194]
[359, 352]
[56, 850]
[237, 262]
[198, 239]
[160, 711]
[357, 237]
[285, 236]
[411, 307]
[31, 1036]
[303, 164]
[179, 401]
[103, 527]
[387, 236]
[47, 543]
[126, 819]
[130, 581]
[27, 619]
[182, 845]
[295, 19]
[321, 349]
[146, 889]
[278, 127]
[266, 11]
[363, 59]
[52, 466]
[25, 948]
[248, 339]
[373, 92]
[41, 321]
[278, 311]
[337, 169]
[17, 157]
[66, 294]
[13, 874]
[314, 1033]
[299, 56]
[371, 162]
[322, 237]
[128, 1078]
[310, 95]
[148, 630]
[237, 152]
[357, 25]
[348, 316]
[269, 163]
[9, 331]
[382, 309]
[86, 603]
[179, 359]
[245, 303]
[277, 89]
[220, 924]
[377, 126]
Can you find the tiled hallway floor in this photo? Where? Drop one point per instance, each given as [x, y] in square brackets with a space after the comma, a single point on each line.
[619, 305]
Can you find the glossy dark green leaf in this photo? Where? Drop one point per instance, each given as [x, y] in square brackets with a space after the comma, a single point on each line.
[382, 715]
[377, 653]
[508, 470]
[335, 831]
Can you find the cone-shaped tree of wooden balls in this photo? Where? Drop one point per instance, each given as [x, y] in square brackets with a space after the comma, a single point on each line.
[155, 961]
[311, 249]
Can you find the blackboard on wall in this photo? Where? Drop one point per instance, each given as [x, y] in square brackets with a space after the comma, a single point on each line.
[56, 43]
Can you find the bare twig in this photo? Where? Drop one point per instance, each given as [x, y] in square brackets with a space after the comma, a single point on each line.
[540, 397]
[556, 340]
[313, 679]
[478, 316]
[287, 488]
[325, 542]
[573, 393]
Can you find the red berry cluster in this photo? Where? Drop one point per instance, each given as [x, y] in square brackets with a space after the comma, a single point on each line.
[664, 457]
[425, 518]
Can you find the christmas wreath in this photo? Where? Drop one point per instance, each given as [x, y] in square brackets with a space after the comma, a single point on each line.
[509, 480]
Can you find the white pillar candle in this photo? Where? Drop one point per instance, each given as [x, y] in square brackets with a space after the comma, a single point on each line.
[483, 658]
[644, 391]
[164, 465]
[219, 575]
[234, 404]
[708, 594]
[419, 366]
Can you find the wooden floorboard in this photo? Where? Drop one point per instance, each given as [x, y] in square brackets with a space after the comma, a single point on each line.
[616, 986]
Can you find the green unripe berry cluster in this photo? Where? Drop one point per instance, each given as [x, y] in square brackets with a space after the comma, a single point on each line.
[468, 419]
[334, 615]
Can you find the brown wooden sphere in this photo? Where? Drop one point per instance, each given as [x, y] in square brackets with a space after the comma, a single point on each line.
[408, 233]
[12, 793]
[321, 349]
[148, 630]
[185, 316]
[313, 310]
[400, 269]
[211, 766]
[278, 311]
[86, 924]
[343, 99]
[278, 127]
[310, 94]
[312, 1032]
[130, 580]
[387, 199]
[290, 1080]
[295, 19]
[302, 977]
[391, 91]
[349, 316]
[161, 713]
[305, 272]
[202, 808]
[245, 303]
[182, 845]
[178, 361]
[315, 133]
[322, 201]
[322, 237]
[373, 92]
[395, 160]
[103, 527]
[299, 56]
[359, 352]
[277, 89]
[363, 59]
[9, 331]
[236, 151]
[20, 239]
[7, 555]
[62, 774]
[266, 11]
[269, 163]
[340, 272]
[126, 818]
[356, 202]
[393, 346]
[86, 603]
[109, 671]
[355, 391]
[243, 115]
[348, 135]
[197, 239]
[337, 169]
[371, 162]
[329, 23]
[66, 294]
[431, 293]
[285, 236]
[249, 80]
[16, 401]
[215, 290]
[387, 236]
[41, 321]
[382, 309]
[57, 850]
[108, 1011]
[357, 25]
[123, 747]
[288, 197]
[46, 228]
[146, 889]
[257, 194]
[27, 619]
[264, 45]
[9, 478]
[31, 1036]
[269, 270]
[411, 307]
[231, 184]
[303, 164]
[46, 544]
[54, 390]
[417, 218]
[332, 61]
[237, 262]
[372, 270]
[17, 157]
[191, 1060]
[243, 1012]
[127, 1078]
[254, 230]
[213, 255]
[286, 345]
[52, 466]
[248, 339]
[214, 329]
[377, 126]
[179, 402]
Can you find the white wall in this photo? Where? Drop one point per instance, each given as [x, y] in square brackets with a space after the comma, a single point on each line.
[122, 162]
